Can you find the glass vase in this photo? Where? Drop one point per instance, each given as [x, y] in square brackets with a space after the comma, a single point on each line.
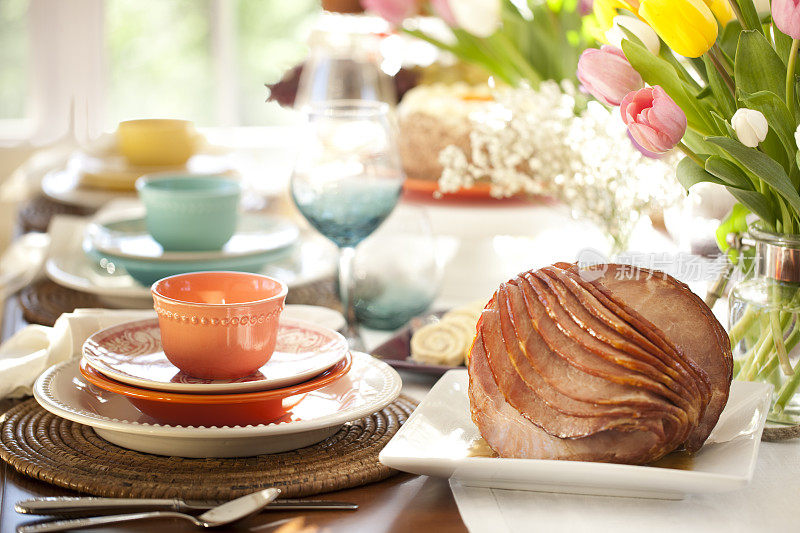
[764, 325]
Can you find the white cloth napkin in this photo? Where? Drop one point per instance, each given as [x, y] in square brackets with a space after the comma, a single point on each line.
[24, 259]
[769, 503]
[33, 349]
[22, 262]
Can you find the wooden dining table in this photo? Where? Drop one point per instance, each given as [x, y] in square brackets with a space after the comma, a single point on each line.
[401, 503]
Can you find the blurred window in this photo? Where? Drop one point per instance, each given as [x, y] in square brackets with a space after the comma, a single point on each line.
[87, 64]
[159, 60]
[205, 60]
[13, 59]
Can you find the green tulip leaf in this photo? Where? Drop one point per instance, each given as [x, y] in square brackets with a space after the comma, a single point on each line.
[725, 125]
[728, 39]
[772, 146]
[734, 222]
[722, 94]
[629, 35]
[755, 202]
[665, 53]
[750, 15]
[783, 44]
[705, 92]
[778, 116]
[466, 50]
[762, 166]
[690, 173]
[758, 67]
[728, 172]
[699, 66]
[656, 71]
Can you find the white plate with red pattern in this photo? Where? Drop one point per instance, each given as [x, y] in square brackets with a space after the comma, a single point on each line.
[131, 353]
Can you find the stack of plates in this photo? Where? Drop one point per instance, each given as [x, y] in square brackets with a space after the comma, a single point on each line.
[123, 241]
[95, 178]
[95, 258]
[125, 388]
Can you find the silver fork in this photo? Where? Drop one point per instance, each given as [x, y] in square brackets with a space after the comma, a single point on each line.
[226, 513]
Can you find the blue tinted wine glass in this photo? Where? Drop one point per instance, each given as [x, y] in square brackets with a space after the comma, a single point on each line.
[347, 179]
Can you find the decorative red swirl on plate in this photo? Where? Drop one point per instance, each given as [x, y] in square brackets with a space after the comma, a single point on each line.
[133, 353]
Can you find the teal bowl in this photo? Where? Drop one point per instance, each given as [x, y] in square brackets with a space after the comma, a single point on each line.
[148, 272]
[188, 213]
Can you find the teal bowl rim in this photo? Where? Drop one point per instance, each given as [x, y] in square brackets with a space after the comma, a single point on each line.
[226, 185]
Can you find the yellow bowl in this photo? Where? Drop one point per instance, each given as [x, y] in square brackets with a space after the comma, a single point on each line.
[157, 142]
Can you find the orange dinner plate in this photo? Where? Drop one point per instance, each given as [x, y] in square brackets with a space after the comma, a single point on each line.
[240, 409]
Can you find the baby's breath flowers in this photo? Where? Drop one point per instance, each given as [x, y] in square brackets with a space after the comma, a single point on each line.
[533, 142]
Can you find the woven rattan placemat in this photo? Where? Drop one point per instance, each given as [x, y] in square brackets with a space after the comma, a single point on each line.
[37, 213]
[778, 433]
[52, 449]
[43, 302]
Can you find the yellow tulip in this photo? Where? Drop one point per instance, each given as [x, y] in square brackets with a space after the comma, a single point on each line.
[606, 10]
[721, 9]
[687, 26]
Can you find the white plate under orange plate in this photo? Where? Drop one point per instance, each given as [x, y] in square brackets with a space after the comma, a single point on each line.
[369, 387]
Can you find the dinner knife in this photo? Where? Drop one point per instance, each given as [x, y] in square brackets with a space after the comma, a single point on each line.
[68, 505]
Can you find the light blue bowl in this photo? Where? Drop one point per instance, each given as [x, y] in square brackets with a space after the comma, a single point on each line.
[148, 272]
[190, 213]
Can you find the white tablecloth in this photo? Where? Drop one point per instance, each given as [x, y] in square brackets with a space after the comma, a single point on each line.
[771, 503]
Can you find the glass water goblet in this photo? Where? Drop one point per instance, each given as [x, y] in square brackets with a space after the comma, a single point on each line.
[347, 179]
[344, 63]
[397, 270]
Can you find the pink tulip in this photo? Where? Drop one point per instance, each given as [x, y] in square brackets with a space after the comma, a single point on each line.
[642, 150]
[654, 120]
[443, 11]
[394, 11]
[786, 16]
[607, 75]
[585, 7]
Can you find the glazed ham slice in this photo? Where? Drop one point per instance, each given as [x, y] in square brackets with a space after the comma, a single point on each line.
[685, 319]
[597, 368]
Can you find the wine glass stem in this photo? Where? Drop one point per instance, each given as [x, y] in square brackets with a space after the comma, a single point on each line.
[346, 281]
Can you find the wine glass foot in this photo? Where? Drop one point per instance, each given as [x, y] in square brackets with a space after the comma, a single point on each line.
[354, 341]
[356, 344]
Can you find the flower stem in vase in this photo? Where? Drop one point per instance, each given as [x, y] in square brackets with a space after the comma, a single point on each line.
[787, 391]
[772, 364]
[777, 340]
[753, 354]
[766, 333]
[741, 327]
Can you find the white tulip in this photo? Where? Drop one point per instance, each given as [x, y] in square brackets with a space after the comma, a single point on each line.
[640, 29]
[481, 18]
[797, 137]
[750, 126]
[762, 7]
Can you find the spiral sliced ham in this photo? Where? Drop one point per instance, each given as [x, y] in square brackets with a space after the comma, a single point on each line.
[599, 367]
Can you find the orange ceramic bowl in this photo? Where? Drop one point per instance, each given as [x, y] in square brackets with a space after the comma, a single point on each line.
[218, 325]
[239, 409]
